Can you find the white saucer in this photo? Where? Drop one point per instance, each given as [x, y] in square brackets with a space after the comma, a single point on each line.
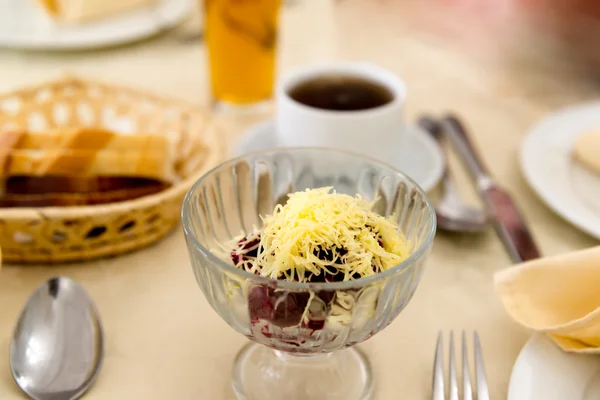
[547, 164]
[544, 372]
[420, 157]
[24, 25]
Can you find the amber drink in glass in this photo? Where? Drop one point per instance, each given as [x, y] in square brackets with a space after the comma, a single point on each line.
[241, 38]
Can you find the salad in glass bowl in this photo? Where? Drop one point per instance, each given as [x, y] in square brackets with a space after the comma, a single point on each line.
[307, 252]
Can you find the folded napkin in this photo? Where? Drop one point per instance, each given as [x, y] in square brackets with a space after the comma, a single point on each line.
[559, 296]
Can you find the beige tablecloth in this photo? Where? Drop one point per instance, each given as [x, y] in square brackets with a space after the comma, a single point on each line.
[164, 341]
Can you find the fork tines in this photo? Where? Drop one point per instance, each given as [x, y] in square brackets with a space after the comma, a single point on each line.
[439, 392]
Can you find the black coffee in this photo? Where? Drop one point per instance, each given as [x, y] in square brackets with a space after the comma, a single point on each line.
[342, 93]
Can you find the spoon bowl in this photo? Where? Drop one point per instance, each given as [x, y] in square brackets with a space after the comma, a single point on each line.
[56, 348]
[452, 213]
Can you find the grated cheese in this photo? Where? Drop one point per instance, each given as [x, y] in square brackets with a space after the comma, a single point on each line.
[319, 220]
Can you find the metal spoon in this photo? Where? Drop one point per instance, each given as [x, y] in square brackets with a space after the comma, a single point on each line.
[57, 346]
[452, 213]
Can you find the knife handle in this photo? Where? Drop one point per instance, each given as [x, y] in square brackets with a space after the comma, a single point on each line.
[508, 220]
[512, 229]
[466, 150]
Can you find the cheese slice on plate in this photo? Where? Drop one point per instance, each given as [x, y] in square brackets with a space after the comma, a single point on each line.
[83, 10]
[587, 150]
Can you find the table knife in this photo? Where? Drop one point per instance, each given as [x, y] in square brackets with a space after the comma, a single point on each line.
[508, 221]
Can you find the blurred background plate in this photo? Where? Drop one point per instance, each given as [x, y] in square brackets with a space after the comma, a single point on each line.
[23, 25]
[548, 166]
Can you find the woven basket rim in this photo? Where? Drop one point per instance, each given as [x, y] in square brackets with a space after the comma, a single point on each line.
[216, 148]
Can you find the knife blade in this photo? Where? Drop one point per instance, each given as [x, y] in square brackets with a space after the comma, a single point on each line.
[509, 223]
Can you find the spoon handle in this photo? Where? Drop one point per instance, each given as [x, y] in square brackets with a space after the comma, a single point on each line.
[466, 149]
[433, 127]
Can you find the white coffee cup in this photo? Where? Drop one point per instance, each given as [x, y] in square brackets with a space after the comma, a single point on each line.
[376, 132]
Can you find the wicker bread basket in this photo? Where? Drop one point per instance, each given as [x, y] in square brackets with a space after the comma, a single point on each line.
[65, 234]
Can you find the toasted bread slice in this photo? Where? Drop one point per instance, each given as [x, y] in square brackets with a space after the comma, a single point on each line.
[8, 141]
[22, 184]
[83, 139]
[76, 163]
[79, 199]
[87, 152]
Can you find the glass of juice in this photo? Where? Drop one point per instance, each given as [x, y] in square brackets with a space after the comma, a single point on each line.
[241, 37]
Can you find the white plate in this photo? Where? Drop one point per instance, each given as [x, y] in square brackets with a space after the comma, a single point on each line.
[420, 157]
[545, 372]
[570, 190]
[24, 25]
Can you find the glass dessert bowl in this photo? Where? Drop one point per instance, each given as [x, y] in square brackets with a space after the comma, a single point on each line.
[303, 332]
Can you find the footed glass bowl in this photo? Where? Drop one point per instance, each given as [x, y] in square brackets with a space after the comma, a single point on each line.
[303, 333]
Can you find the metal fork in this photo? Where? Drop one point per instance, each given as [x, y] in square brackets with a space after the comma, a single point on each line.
[439, 392]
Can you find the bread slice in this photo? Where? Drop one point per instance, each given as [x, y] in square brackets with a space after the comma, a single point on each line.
[69, 184]
[71, 167]
[84, 10]
[586, 150]
[8, 141]
[79, 199]
[83, 139]
[87, 152]
[78, 163]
